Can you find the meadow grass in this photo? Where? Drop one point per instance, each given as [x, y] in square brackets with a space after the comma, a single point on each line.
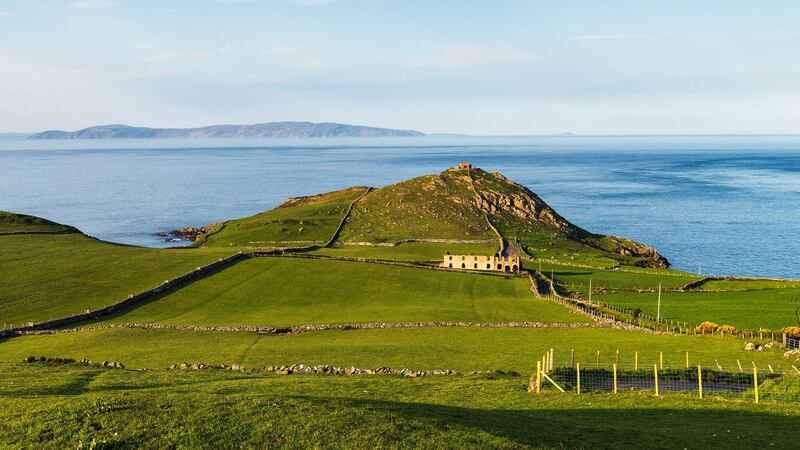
[577, 278]
[748, 285]
[754, 309]
[296, 291]
[410, 251]
[60, 407]
[45, 277]
[462, 349]
[312, 221]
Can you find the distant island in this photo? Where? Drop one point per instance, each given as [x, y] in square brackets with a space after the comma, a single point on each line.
[259, 130]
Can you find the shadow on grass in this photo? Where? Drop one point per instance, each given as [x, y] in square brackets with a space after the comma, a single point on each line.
[594, 427]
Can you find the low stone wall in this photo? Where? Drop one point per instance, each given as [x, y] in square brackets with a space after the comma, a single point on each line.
[168, 285]
[266, 329]
[346, 216]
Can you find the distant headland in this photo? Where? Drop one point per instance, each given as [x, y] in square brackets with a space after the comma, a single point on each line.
[260, 130]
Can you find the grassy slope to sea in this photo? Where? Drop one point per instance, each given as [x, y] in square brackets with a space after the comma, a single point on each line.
[48, 276]
[58, 407]
[255, 292]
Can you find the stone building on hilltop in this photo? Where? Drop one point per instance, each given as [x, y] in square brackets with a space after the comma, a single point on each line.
[496, 262]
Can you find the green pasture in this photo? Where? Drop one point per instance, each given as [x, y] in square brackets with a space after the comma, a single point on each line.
[74, 406]
[284, 291]
[751, 310]
[748, 285]
[576, 279]
[48, 276]
[312, 220]
[411, 251]
[462, 349]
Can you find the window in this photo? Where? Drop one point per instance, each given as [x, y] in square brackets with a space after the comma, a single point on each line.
[476, 265]
[488, 266]
[450, 265]
[499, 267]
[463, 266]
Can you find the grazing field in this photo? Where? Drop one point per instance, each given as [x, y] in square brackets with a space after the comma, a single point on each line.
[64, 407]
[748, 285]
[44, 277]
[299, 291]
[298, 222]
[765, 308]
[576, 279]
[462, 349]
[411, 251]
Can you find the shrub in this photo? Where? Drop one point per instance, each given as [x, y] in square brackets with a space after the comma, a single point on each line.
[30, 359]
[636, 313]
[727, 329]
[792, 332]
[707, 327]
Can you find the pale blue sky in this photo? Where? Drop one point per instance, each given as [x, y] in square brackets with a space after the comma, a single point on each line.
[482, 67]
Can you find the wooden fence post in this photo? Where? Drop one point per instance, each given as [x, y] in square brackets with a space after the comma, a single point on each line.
[572, 358]
[700, 380]
[538, 376]
[552, 364]
[661, 360]
[755, 383]
[615, 378]
[636, 362]
[655, 376]
[687, 360]
[578, 373]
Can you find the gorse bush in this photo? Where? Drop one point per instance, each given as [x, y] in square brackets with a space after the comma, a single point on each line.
[792, 332]
[707, 327]
[727, 329]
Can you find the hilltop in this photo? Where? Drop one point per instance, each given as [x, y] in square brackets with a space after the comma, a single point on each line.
[259, 130]
[451, 211]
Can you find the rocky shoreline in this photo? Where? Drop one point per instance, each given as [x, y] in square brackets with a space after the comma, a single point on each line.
[187, 234]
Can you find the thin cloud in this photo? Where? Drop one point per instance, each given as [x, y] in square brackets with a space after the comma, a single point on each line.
[6, 14]
[620, 36]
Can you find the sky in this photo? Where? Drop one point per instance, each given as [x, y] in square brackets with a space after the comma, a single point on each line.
[479, 67]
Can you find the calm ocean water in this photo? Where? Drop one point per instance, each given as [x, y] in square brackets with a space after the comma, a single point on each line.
[728, 204]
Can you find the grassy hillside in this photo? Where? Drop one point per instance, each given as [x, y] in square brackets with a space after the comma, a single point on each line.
[21, 223]
[428, 207]
[62, 407]
[576, 279]
[298, 222]
[50, 276]
[410, 251]
[462, 349]
[256, 292]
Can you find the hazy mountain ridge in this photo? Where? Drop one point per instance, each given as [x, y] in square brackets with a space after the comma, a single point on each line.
[260, 130]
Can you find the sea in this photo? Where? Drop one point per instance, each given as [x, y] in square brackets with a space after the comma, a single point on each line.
[721, 205]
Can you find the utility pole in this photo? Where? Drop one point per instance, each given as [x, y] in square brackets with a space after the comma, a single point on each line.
[658, 312]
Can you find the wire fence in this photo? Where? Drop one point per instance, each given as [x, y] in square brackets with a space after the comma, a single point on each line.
[739, 380]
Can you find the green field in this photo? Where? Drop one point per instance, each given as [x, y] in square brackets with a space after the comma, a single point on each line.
[462, 349]
[51, 276]
[765, 308]
[411, 251]
[749, 285]
[299, 222]
[576, 279]
[299, 291]
[63, 407]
